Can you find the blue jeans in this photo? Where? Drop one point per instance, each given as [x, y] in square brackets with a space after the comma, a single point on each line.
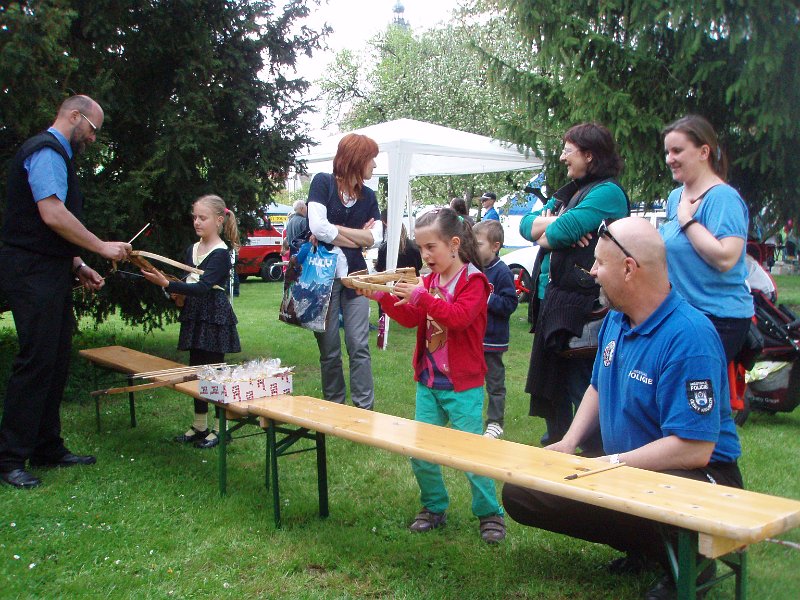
[464, 410]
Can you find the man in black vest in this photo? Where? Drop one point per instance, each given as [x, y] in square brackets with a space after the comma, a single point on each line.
[42, 235]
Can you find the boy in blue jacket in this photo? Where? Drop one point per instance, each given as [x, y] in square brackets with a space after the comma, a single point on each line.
[501, 305]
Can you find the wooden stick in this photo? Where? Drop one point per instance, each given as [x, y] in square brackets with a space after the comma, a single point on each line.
[593, 471]
[176, 370]
[143, 386]
[141, 231]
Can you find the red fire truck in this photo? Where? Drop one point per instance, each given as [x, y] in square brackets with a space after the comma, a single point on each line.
[261, 254]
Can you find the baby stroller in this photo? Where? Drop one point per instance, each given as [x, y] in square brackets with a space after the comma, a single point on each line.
[772, 383]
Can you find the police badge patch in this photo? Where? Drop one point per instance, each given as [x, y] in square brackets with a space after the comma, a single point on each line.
[608, 353]
[700, 395]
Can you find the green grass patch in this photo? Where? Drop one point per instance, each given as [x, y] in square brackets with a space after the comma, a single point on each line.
[148, 522]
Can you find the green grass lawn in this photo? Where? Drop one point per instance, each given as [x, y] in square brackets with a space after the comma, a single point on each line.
[148, 522]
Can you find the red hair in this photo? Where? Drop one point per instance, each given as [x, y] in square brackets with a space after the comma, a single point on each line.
[351, 160]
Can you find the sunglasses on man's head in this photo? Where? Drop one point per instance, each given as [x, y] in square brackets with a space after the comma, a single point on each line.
[603, 231]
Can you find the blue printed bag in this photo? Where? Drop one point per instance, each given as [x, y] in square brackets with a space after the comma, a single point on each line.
[307, 287]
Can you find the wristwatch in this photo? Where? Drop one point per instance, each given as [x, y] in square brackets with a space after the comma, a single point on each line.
[613, 459]
[78, 268]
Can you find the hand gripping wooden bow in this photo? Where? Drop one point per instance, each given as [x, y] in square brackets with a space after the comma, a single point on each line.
[380, 282]
[139, 259]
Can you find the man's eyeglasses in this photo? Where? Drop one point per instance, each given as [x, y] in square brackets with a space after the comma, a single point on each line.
[567, 151]
[92, 125]
[603, 231]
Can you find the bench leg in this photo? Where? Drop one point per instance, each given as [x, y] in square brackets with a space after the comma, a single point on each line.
[322, 474]
[223, 453]
[96, 399]
[737, 562]
[273, 467]
[741, 577]
[132, 404]
[267, 464]
[687, 565]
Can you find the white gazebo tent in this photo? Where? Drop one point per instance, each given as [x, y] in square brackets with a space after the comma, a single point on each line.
[410, 149]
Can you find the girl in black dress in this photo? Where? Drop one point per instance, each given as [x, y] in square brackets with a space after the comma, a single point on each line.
[208, 324]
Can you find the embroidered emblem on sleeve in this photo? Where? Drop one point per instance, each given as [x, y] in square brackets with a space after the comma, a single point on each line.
[700, 395]
[608, 353]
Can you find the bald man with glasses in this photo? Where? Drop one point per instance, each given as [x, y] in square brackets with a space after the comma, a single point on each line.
[658, 395]
[42, 237]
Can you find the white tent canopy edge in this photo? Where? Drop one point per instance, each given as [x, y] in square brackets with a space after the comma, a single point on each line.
[410, 148]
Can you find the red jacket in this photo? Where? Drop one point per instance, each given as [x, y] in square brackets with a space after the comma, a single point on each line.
[464, 319]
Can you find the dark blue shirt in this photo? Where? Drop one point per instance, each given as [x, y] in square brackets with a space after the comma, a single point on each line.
[667, 376]
[325, 191]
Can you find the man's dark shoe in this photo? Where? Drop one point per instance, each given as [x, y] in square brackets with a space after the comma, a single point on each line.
[666, 589]
[630, 564]
[68, 460]
[20, 478]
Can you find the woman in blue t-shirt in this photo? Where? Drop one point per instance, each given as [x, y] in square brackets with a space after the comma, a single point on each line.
[706, 231]
[343, 215]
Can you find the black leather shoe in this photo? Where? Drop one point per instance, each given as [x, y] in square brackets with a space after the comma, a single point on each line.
[68, 460]
[20, 478]
[208, 443]
[630, 564]
[195, 436]
[666, 589]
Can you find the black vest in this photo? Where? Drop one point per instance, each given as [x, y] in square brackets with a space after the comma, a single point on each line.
[569, 267]
[23, 227]
[353, 217]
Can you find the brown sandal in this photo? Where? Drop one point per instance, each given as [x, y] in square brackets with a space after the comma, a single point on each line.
[427, 520]
[493, 529]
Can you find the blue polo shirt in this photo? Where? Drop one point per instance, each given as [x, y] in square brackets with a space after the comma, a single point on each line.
[665, 377]
[723, 212]
[491, 214]
[47, 172]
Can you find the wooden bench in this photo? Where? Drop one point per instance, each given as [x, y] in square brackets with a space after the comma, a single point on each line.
[127, 361]
[716, 521]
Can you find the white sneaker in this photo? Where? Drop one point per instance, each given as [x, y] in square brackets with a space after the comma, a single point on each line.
[493, 430]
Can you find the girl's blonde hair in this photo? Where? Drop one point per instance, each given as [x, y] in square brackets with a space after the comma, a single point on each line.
[230, 226]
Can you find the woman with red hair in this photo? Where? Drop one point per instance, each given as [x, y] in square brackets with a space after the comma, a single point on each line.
[343, 215]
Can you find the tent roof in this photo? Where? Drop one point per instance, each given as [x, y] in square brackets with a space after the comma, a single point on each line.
[434, 149]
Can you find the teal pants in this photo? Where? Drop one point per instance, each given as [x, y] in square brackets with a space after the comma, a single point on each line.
[464, 411]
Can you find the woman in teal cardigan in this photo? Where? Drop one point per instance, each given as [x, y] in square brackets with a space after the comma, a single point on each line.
[566, 293]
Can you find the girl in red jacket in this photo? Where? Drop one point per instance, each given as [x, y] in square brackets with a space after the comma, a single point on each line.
[448, 308]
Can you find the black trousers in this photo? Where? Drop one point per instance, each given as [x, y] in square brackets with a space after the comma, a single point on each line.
[39, 291]
[625, 532]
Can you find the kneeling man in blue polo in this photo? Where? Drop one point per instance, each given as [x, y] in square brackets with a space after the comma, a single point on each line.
[659, 395]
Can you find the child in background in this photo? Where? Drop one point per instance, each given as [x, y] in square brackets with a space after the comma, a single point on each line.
[448, 308]
[208, 324]
[502, 304]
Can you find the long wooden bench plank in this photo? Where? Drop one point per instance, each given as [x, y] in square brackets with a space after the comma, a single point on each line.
[126, 360]
[129, 361]
[741, 516]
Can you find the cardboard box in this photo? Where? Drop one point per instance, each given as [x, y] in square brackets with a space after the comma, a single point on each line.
[240, 391]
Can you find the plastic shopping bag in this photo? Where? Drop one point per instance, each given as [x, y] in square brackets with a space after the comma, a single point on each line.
[307, 287]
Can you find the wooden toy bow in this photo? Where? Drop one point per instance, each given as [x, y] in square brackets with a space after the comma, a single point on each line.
[380, 282]
[139, 259]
